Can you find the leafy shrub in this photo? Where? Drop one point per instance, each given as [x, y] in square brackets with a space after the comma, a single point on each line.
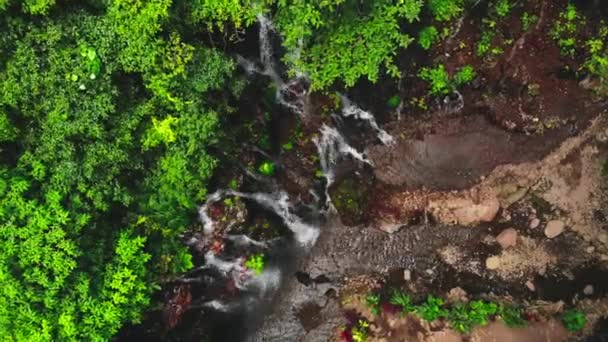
[502, 8]
[372, 301]
[403, 300]
[267, 168]
[427, 36]
[597, 62]
[465, 75]
[527, 21]
[463, 317]
[255, 263]
[432, 309]
[574, 320]
[438, 78]
[393, 101]
[566, 28]
[485, 43]
[512, 316]
[444, 10]
[440, 81]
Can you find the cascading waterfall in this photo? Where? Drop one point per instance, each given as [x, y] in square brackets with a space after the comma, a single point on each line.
[350, 109]
[292, 94]
[332, 148]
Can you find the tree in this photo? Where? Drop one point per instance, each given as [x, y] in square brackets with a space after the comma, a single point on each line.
[109, 121]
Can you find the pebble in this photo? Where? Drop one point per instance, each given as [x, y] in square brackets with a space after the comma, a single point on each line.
[507, 238]
[530, 286]
[534, 223]
[603, 237]
[590, 249]
[554, 228]
[407, 275]
[493, 263]
[588, 290]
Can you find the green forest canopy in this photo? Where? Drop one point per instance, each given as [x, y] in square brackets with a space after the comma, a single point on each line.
[106, 116]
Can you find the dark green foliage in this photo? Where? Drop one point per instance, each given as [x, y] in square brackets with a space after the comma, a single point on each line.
[465, 75]
[438, 78]
[111, 121]
[432, 309]
[440, 81]
[502, 8]
[528, 20]
[597, 62]
[427, 37]
[574, 320]
[566, 29]
[345, 40]
[403, 300]
[512, 316]
[444, 10]
[393, 101]
[372, 301]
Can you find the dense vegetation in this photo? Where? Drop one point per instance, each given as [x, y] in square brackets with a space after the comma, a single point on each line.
[108, 110]
[105, 125]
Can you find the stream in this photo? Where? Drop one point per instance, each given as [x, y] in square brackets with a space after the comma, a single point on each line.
[258, 292]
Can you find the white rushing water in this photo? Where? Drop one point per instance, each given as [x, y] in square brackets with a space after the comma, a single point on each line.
[277, 202]
[350, 109]
[332, 149]
[292, 94]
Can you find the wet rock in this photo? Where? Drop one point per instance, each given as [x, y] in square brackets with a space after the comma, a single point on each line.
[493, 263]
[588, 290]
[467, 210]
[554, 228]
[534, 223]
[507, 238]
[349, 198]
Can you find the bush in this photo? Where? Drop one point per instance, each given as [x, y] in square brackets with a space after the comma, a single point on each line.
[566, 29]
[597, 62]
[438, 78]
[427, 37]
[512, 316]
[574, 320]
[255, 263]
[465, 75]
[440, 81]
[502, 8]
[432, 309]
[267, 168]
[444, 10]
[527, 21]
[403, 300]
